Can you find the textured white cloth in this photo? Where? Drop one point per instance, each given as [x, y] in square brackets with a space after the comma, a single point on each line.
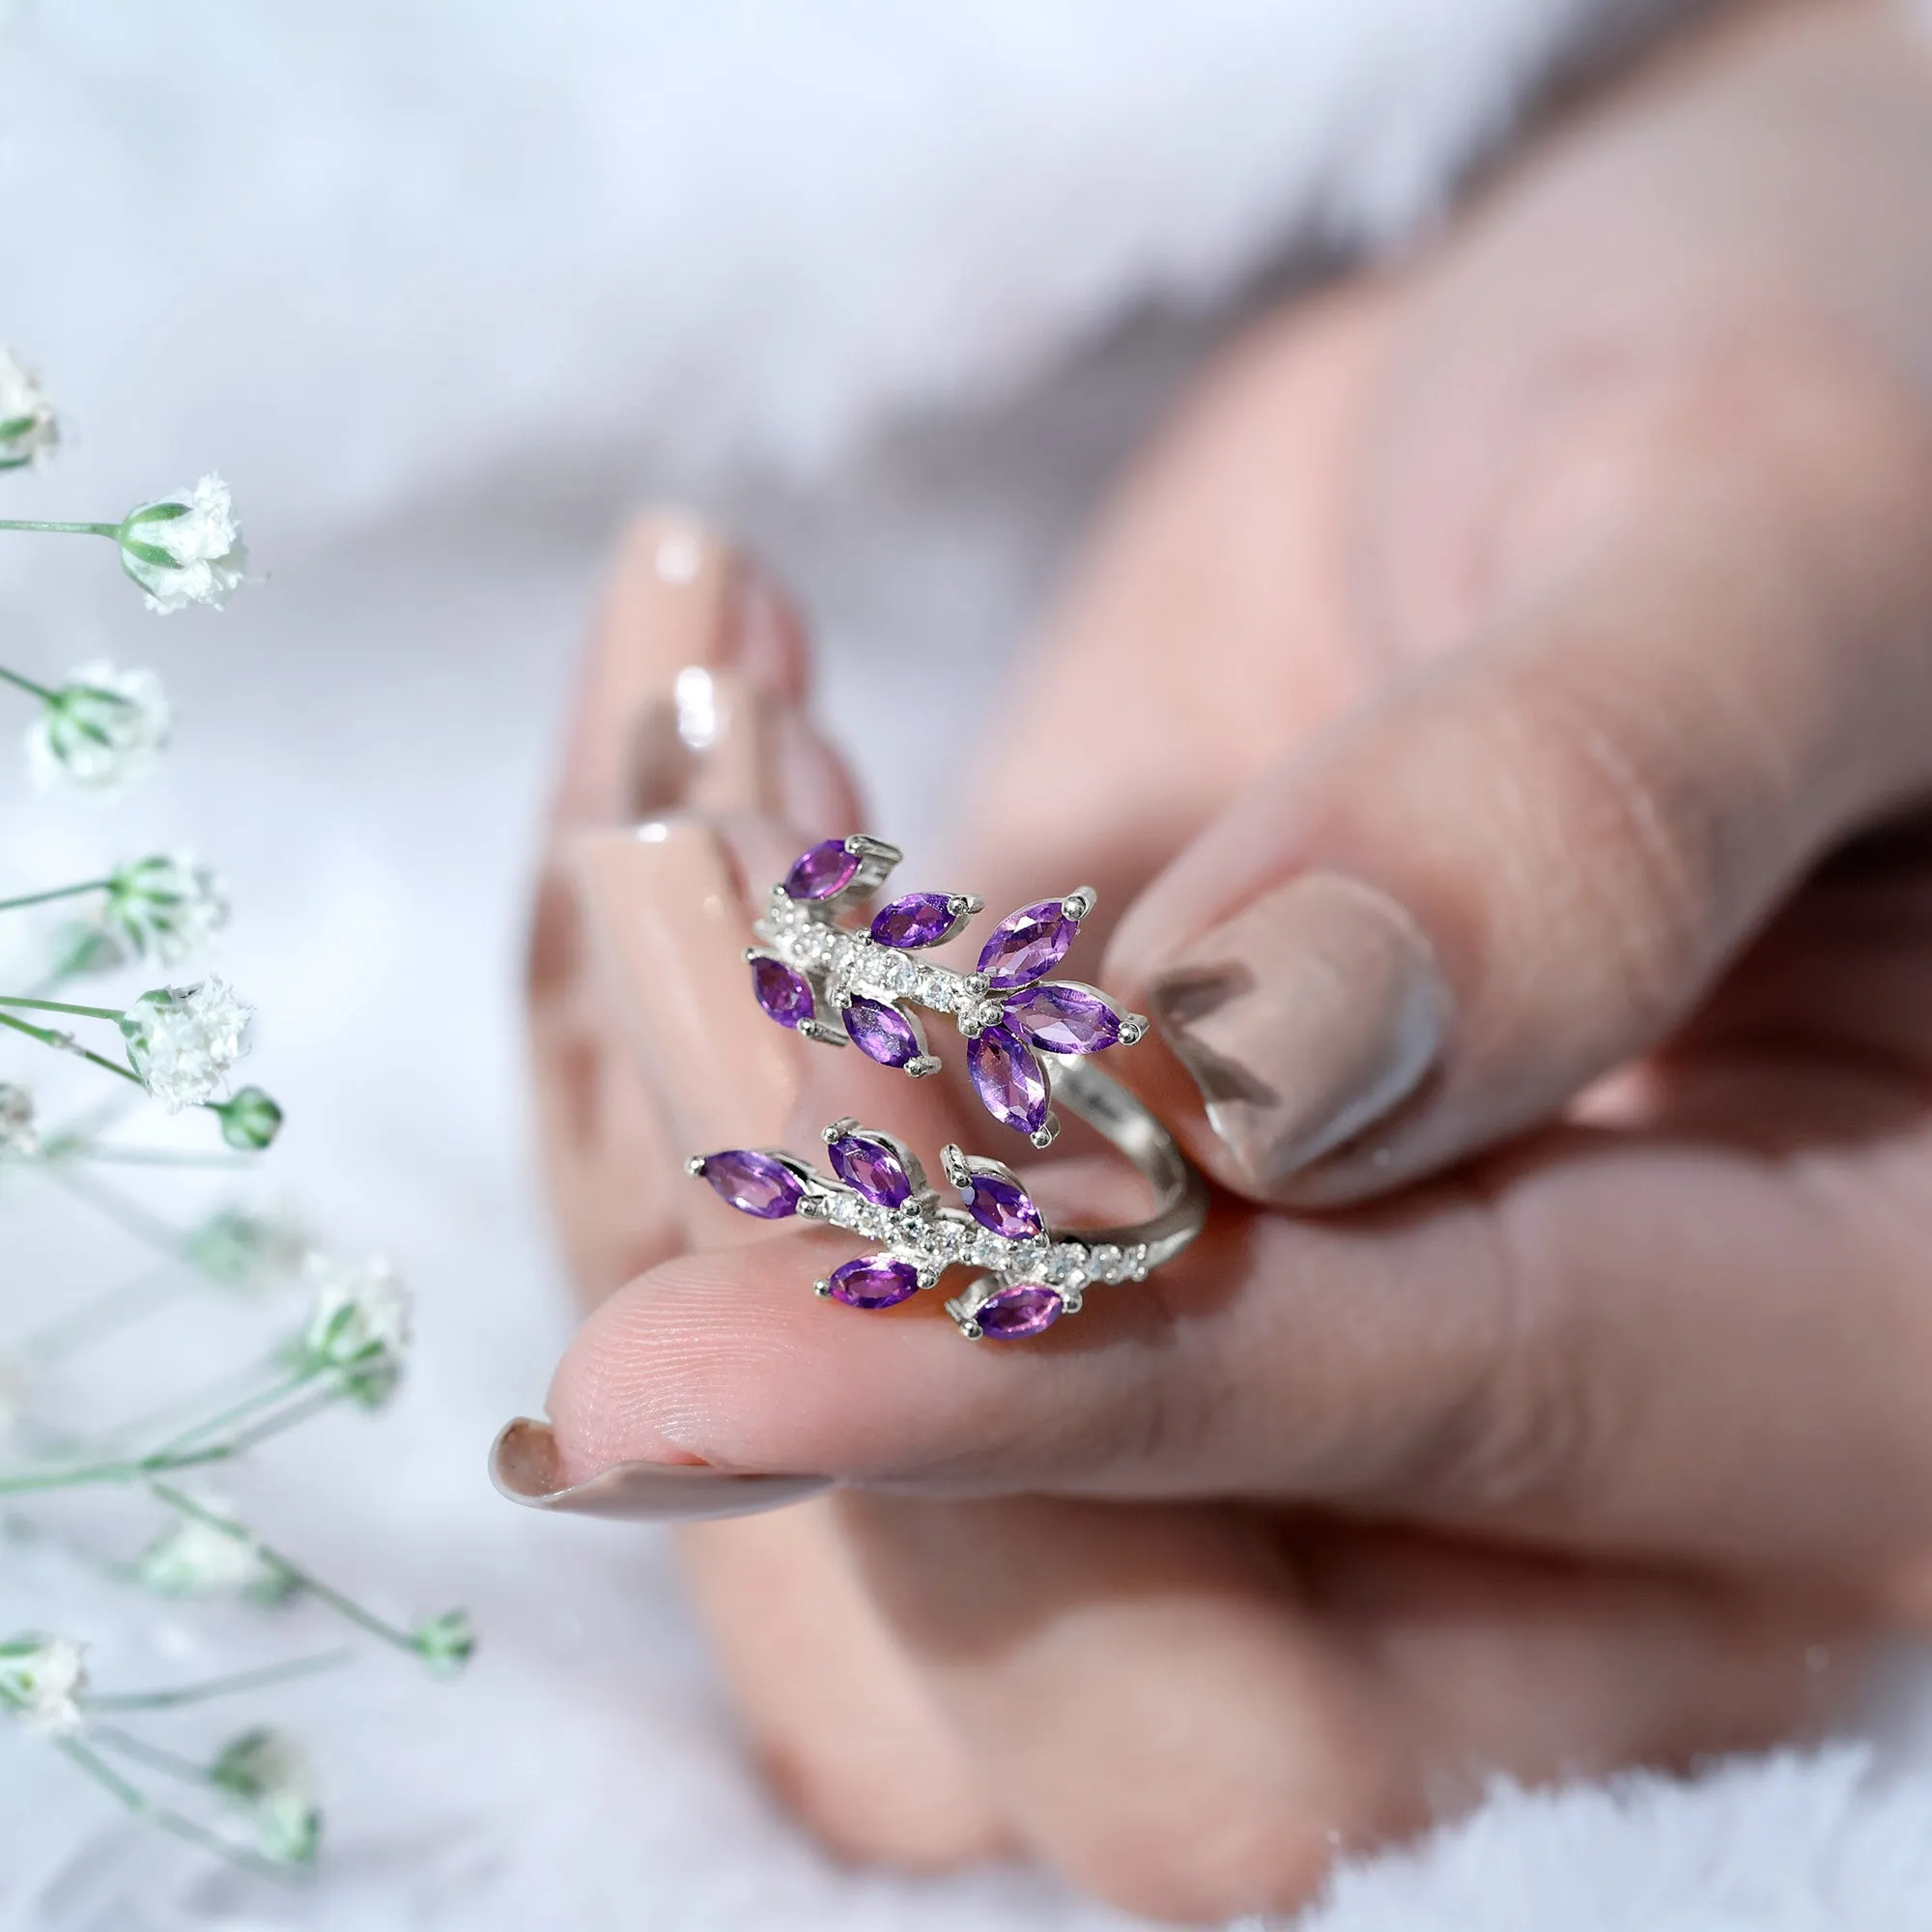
[442, 290]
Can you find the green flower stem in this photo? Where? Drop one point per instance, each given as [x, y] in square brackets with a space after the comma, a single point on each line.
[170, 1763]
[309, 1584]
[61, 1045]
[114, 1013]
[232, 1686]
[27, 684]
[128, 1469]
[63, 530]
[58, 892]
[240, 1411]
[174, 1823]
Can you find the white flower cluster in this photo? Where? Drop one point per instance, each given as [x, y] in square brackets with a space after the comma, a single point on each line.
[41, 1682]
[193, 1558]
[181, 1041]
[269, 1777]
[359, 1327]
[165, 908]
[101, 731]
[29, 433]
[185, 549]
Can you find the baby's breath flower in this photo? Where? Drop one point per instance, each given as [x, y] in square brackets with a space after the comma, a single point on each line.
[360, 1329]
[444, 1642]
[181, 1041]
[193, 1557]
[269, 1775]
[19, 1133]
[250, 1121]
[41, 1682]
[29, 433]
[185, 549]
[238, 1249]
[163, 907]
[102, 730]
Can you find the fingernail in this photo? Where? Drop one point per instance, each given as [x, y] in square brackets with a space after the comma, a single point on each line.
[667, 927]
[1304, 1019]
[524, 1465]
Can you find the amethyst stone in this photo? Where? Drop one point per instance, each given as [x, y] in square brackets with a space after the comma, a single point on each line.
[1001, 1206]
[876, 1281]
[753, 1183]
[872, 1169]
[1064, 1019]
[1010, 1085]
[1027, 944]
[881, 1033]
[1011, 1314]
[823, 872]
[919, 919]
[784, 995]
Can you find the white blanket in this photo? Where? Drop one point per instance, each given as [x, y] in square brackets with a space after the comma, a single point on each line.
[442, 288]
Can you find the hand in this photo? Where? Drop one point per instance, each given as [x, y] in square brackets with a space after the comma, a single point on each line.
[1508, 689]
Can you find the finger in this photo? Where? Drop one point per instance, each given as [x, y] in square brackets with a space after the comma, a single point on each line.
[689, 699]
[843, 1725]
[1608, 1342]
[1193, 1712]
[1454, 908]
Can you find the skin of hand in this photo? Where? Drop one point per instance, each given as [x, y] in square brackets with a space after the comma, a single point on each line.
[1507, 705]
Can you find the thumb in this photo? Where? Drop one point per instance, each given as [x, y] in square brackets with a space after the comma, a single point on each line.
[1440, 920]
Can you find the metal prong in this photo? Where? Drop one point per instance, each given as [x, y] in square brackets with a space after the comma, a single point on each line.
[979, 985]
[1079, 902]
[823, 1034]
[963, 905]
[929, 1277]
[845, 1125]
[811, 1207]
[1049, 1132]
[823, 1289]
[970, 1329]
[921, 1065]
[863, 845]
[953, 1160]
[1070, 1302]
[695, 1167]
[753, 952]
[1133, 1027]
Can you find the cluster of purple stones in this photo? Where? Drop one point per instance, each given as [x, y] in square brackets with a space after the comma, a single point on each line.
[882, 1172]
[1010, 1011]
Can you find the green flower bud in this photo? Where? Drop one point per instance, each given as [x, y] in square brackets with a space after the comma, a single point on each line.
[250, 1121]
[444, 1642]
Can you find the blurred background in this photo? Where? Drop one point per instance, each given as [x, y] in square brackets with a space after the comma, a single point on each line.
[444, 292]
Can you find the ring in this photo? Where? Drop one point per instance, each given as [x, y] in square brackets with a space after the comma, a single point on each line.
[1030, 1276]
[835, 984]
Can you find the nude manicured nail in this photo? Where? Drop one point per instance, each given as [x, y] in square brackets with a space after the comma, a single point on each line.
[524, 1465]
[1304, 1019]
[667, 927]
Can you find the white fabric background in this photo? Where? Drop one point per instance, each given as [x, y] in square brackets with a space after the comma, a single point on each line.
[442, 290]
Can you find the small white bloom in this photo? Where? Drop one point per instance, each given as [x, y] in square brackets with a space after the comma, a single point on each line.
[240, 1249]
[181, 1041]
[19, 1133]
[102, 730]
[164, 907]
[359, 1327]
[185, 549]
[29, 433]
[269, 1776]
[195, 1558]
[41, 1682]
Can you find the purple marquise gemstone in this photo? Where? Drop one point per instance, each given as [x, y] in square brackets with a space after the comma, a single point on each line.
[784, 995]
[872, 1169]
[876, 1281]
[822, 872]
[753, 1183]
[880, 1032]
[919, 919]
[1001, 1206]
[1027, 944]
[1011, 1314]
[1010, 1085]
[1064, 1019]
